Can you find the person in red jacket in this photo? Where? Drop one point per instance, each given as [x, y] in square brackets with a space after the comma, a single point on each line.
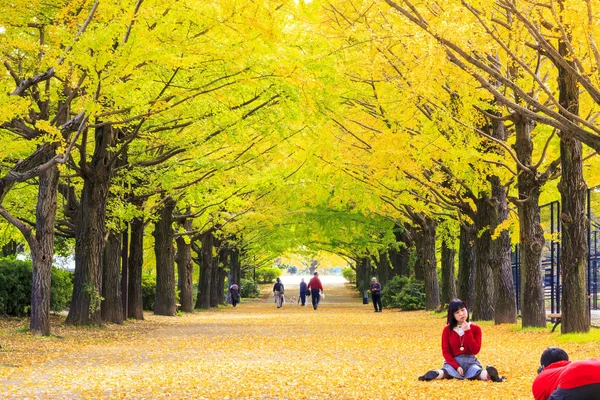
[560, 379]
[316, 288]
[461, 341]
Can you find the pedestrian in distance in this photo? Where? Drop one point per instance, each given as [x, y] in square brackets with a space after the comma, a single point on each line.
[461, 341]
[303, 290]
[278, 293]
[376, 294]
[560, 379]
[316, 289]
[234, 294]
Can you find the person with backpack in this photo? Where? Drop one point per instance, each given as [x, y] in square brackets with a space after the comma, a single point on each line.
[278, 291]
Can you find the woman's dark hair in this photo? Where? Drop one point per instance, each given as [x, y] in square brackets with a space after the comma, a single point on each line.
[453, 307]
[552, 355]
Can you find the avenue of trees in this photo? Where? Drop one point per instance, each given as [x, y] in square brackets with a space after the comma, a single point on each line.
[405, 136]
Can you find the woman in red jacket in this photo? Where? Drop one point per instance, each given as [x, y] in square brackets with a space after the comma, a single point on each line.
[461, 341]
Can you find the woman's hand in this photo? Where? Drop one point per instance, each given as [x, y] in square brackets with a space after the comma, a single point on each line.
[465, 326]
[460, 371]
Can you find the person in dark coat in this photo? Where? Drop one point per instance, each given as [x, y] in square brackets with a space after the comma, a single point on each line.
[278, 292]
[234, 294]
[376, 294]
[303, 290]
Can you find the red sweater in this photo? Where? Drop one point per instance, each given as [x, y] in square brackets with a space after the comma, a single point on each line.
[579, 373]
[451, 342]
[315, 283]
[545, 383]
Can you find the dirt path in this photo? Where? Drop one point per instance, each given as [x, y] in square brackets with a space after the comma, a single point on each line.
[256, 351]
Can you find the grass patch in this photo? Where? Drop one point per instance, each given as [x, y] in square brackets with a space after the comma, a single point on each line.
[592, 336]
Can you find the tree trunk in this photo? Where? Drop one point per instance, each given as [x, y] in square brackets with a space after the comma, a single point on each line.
[400, 258]
[125, 270]
[467, 263]
[505, 302]
[135, 304]
[429, 262]
[384, 271]
[10, 248]
[90, 231]
[572, 186]
[419, 248]
[531, 233]
[206, 271]
[185, 270]
[235, 272]
[448, 280]
[483, 299]
[42, 251]
[112, 305]
[165, 261]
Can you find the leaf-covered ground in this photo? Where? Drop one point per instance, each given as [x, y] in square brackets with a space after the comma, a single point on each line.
[256, 351]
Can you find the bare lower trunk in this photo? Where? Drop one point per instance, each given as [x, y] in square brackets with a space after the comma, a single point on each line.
[135, 305]
[185, 270]
[572, 186]
[533, 310]
[165, 303]
[206, 270]
[112, 305]
[483, 299]
[42, 252]
[429, 262]
[505, 305]
[90, 232]
[448, 280]
[467, 264]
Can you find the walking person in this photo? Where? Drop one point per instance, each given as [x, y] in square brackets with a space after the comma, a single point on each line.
[316, 288]
[278, 292]
[303, 290]
[376, 294]
[234, 294]
[461, 341]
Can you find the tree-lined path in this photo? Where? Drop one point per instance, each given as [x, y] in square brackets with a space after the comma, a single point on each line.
[255, 351]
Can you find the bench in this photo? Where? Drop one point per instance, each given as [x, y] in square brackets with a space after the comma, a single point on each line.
[554, 318]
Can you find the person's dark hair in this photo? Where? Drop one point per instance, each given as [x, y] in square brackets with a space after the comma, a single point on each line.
[316, 273]
[453, 307]
[552, 355]
[278, 280]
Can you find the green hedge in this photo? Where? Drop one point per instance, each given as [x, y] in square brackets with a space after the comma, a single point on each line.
[15, 287]
[405, 293]
[249, 288]
[148, 292]
[267, 274]
[349, 274]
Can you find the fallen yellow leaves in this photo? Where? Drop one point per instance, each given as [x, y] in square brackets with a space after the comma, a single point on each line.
[256, 351]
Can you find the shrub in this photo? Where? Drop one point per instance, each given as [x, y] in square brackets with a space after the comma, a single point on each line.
[405, 293]
[61, 289]
[15, 287]
[267, 274]
[249, 288]
[349, 274]
[148, 291]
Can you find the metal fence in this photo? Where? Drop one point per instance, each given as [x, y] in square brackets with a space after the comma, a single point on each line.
[551, 269]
